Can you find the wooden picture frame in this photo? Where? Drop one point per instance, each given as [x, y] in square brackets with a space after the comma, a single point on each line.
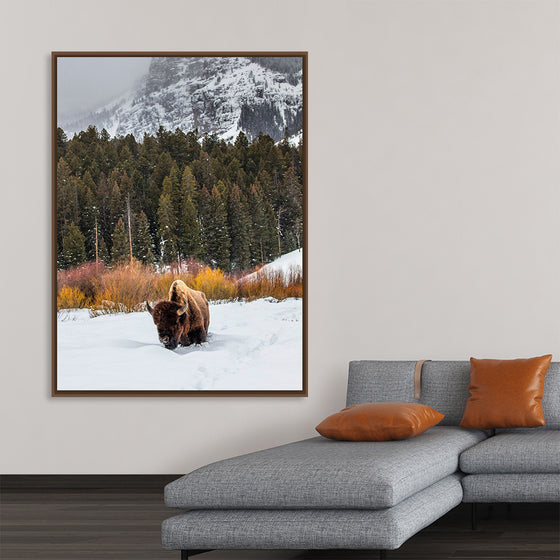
[78, 286]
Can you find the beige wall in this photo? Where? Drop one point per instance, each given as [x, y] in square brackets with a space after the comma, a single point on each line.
[434, 207]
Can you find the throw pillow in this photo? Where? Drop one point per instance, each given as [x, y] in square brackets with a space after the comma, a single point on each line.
[506, 393]
[382, 421]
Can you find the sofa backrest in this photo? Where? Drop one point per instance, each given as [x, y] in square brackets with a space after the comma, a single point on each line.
[445, 387]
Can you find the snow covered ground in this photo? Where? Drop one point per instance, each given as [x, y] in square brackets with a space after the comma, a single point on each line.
[251, 346]
[287, 264]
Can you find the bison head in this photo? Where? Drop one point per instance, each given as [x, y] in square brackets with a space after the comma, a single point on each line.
[169, 318]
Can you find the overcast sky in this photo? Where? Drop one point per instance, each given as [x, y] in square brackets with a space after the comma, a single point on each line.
[85, 83]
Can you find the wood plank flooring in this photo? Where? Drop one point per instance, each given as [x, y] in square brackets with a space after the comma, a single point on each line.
[94, 524]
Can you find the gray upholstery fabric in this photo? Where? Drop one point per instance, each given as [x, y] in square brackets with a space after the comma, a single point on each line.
[380, 381]
[321, 473]
[511, 488]
[312, 529]
[523, 452]
[444, 387]
[551, 397]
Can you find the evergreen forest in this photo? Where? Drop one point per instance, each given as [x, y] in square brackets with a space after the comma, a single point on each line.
[177, 196]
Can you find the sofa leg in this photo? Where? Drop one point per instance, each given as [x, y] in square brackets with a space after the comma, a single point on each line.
[473, 517]
[186, 554]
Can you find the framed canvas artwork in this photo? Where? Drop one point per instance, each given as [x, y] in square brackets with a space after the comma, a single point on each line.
[179, 223]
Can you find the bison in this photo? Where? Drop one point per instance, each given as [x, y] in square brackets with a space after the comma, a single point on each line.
[183, 319]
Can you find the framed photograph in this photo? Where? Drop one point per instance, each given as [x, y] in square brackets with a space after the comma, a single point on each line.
[179, 195]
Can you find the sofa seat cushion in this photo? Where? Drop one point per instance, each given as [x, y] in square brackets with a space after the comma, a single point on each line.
[514, 452]
[321, 473]
[312, 529]
[491, 488]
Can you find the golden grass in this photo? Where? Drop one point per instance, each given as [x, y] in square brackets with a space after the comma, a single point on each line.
[125, 288]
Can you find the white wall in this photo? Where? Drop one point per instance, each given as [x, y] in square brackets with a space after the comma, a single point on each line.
[434, 207]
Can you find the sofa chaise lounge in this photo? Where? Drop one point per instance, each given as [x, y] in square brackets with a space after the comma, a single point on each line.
[326, 494]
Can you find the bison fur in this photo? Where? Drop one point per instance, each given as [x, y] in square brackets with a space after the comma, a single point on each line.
[183, 319]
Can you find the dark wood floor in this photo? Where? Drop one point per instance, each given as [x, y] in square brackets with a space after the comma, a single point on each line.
[91, 524]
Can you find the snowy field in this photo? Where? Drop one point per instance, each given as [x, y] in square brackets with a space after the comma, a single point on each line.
[287, 264]
[251, 346]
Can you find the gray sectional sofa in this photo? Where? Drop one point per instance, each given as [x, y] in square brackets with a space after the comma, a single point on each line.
[325, 494]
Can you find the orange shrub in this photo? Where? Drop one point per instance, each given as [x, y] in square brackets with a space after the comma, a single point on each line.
[125, 288]
[214, 283]
[71, 298]
[84, 277]
[162, 281]
[271, 284]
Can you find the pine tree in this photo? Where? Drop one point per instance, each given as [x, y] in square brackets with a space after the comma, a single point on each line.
[142, 245]
[161, 164]
[289, 211]
[167, 186]
[166, 226]
[102, 251]
[193, 146]
[189, 186]
[162, 169]
[263, 229]
[205, 219]
[88, 213]
[256, 185]
[125, 184]
[190, 241]
[62, 177]
[73, 247]
[116, 208]
[61, 143]
[205, 173]
[275, 238]
[217, 233]
[188, 226]
[119, 252]
[126, 163]
[241, 148]
[66, 199]
[138, 186]
[239, 223]
[103, 211]
[174, 186]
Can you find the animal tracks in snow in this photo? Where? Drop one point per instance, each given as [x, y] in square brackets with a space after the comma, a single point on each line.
[250, 346]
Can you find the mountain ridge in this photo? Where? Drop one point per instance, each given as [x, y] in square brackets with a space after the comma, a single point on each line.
[220, 95]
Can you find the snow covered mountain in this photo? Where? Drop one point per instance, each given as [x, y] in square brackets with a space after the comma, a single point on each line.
[222, 95]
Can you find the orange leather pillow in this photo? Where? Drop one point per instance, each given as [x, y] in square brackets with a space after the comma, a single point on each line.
[506, 393]
[383, 421]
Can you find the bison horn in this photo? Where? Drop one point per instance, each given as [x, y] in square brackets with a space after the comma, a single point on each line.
[149, 308]
[183, 309]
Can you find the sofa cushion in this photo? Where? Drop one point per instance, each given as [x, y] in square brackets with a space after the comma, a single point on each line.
[379, 422]
[321, 473]
[514, 452]
[532, 487]
[312, 529]
[445, 387]
[506, 393]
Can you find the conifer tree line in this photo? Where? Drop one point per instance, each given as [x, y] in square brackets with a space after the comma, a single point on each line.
[176, 196]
